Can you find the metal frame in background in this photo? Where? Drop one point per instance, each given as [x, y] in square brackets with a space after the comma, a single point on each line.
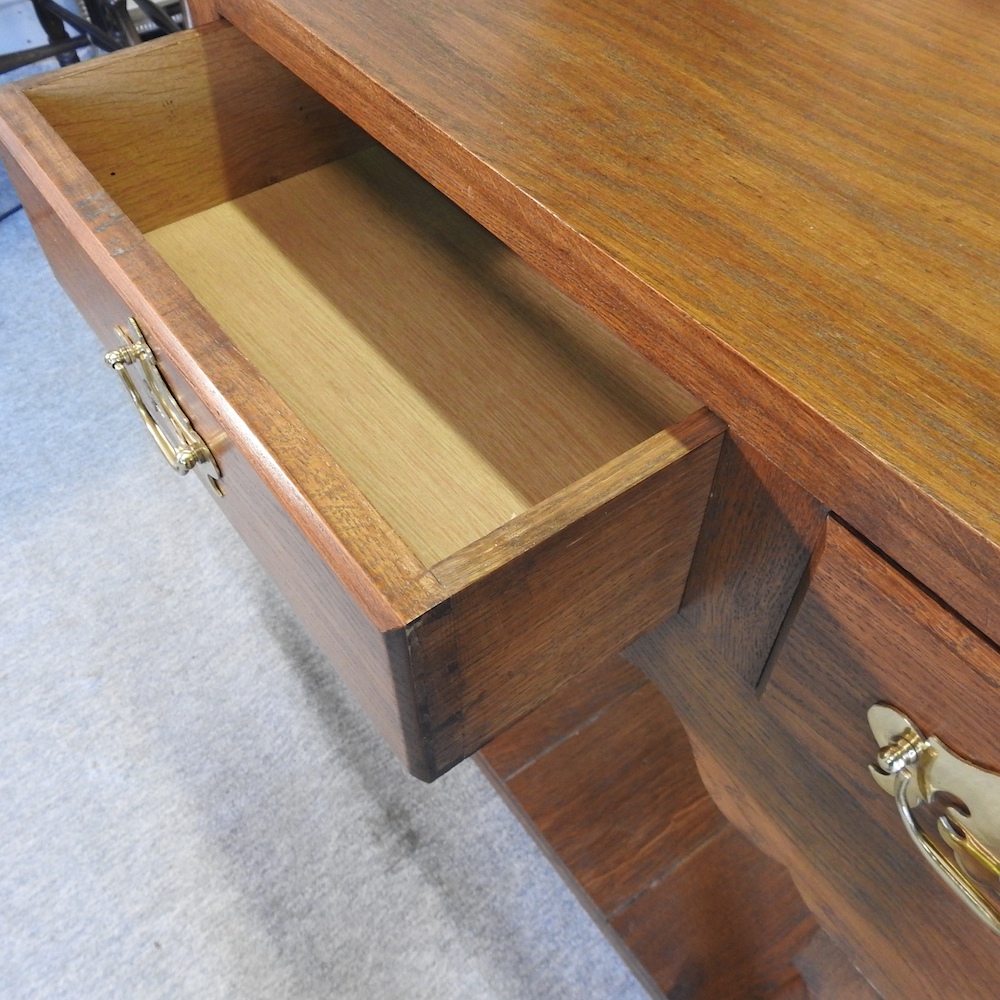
[108, 25]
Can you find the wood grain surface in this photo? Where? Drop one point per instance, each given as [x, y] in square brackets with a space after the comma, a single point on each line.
[792, 207]
[625, 473]
[201, 12]
[568, 710]
[191, 122]
[828, 975]
[710, 661]
[737, 924]
[756, 540]
[634, 770]
[613, 798]
[437, 370]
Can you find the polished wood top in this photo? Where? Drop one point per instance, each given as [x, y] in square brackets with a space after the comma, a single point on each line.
[793, 206]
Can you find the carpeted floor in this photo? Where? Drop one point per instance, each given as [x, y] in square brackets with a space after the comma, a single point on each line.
[190, 804]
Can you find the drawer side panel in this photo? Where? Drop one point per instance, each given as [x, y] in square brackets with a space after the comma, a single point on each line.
[376, 567]
[510, 639]
[190, 121]
[371, 662]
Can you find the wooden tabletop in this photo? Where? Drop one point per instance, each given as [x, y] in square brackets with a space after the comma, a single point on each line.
[793, 206]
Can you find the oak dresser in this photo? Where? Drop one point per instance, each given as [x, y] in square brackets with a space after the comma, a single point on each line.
[513, 334]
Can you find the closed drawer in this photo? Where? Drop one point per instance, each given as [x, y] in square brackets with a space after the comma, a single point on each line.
[866, 634]
[468, 488]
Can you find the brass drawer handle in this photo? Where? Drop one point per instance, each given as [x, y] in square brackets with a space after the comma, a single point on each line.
[180, 443]
[949, 807]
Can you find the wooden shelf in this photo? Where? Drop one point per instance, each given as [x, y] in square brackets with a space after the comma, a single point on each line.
[603, 777]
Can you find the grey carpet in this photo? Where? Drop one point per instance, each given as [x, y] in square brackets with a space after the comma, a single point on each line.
[191, 806]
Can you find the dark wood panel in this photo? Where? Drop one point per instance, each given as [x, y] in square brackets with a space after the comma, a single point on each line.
[828, 975]
[591, 694]
[723, 926]
[759, 531]
[867, 633]
[634, 769]
[373, 664]
[619, 809]
[791, 767]
[776, 792]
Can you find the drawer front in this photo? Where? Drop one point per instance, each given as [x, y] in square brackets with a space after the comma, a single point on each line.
[367, 658]
[785, 750]
[445, 643]
[866, 634]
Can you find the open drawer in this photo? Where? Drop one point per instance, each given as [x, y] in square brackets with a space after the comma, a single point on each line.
[467, 487]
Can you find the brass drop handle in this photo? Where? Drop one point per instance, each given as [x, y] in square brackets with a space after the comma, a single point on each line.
[949, 807]
[181, 445]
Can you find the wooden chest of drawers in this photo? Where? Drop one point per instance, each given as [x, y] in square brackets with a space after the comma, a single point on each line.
[438, 441]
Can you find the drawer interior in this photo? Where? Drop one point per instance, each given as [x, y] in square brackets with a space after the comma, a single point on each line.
[454, 384]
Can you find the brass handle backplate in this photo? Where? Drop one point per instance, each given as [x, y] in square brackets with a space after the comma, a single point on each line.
[181, 445]
[949, 807]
